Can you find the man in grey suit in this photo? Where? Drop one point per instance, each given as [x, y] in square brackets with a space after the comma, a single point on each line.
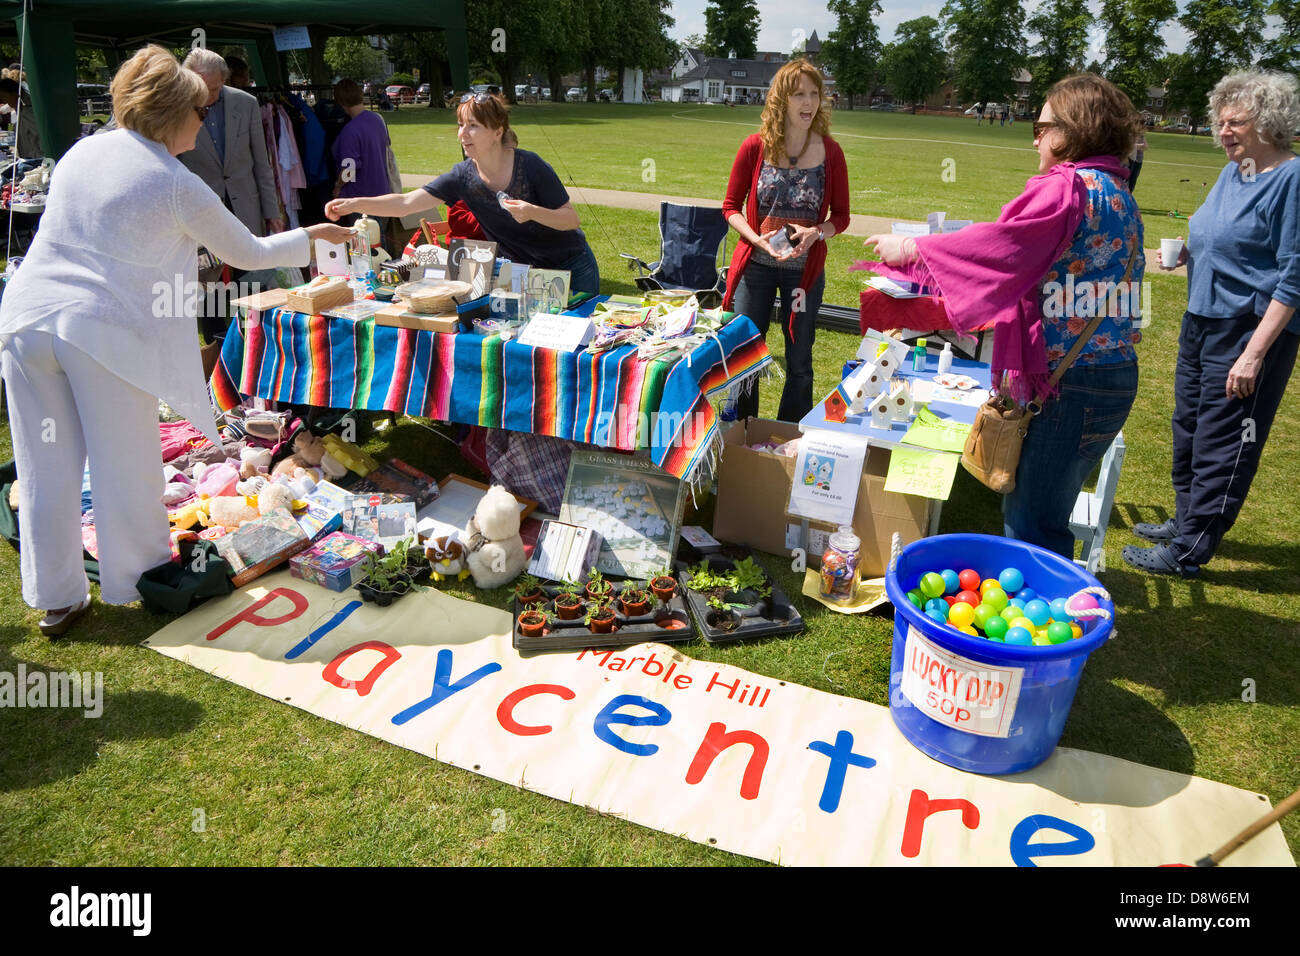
[230, 151]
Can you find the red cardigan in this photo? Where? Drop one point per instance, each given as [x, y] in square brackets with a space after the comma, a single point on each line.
[742, 197]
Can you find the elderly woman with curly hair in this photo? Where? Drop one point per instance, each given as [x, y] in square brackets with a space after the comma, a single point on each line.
[1239, 335]
[98, 324]
[789, 174]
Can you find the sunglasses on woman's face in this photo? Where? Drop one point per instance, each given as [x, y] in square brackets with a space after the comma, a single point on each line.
[1041, 127]
[202, 111]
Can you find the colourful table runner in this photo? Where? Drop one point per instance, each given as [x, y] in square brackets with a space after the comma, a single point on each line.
[610, 399]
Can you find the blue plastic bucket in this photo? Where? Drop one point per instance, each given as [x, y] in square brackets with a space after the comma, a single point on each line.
[972, 703]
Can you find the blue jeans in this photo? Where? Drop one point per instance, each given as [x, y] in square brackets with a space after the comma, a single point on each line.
[584, 273]
[755, 294]
[1064, 443]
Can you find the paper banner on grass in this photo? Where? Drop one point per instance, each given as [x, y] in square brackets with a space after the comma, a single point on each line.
[706, 751]
[827, 473]
[921, 471]
[869, 595]
[940, 434]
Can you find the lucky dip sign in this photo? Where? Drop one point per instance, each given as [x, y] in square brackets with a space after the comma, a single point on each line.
[706, 751]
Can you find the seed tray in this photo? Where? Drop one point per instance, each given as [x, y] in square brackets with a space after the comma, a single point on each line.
[575, 635]
[771, 617]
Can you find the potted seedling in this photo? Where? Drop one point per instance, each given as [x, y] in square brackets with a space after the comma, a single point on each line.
[568, 601]
[663, 584]
[528, 590]
[534, 620]
[386, 578]
[723, 615]
[415, 561]
[748, 582]
[635, 600]
[703, 579]
[600, 618]
[598, 589]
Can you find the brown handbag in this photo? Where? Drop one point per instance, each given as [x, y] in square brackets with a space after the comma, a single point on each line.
[992, 452]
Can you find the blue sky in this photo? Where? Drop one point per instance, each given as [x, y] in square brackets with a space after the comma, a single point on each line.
[780, 18]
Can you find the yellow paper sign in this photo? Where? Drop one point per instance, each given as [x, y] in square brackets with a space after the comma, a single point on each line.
[941, 434]
[921, 471]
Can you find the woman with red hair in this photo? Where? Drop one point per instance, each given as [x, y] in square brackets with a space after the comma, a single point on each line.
[790, 178]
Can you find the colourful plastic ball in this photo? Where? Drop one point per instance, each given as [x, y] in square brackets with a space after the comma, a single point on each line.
[1027, 594]
[1041, 640]
[932, 585]
[1075, 631]
[1019, 620]
[1080, 602]
[915, 598]
[1059, 632]
[1018, 602]
[1038, 612]
[1000, 640]
[982, 615]
[1011, 580]
[969, 580]
[1059, 612]
[1018, 635]
[938, 616]
[969, 630]
[950, 599]
[937, 606]
[951, 584]
[988, 583]
[968, 597]
[996, 627]
[960, 615]
[996, 598]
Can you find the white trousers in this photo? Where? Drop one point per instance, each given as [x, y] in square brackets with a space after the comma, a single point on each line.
[64, 407]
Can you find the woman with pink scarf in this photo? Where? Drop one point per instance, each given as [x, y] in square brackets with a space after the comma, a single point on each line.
[1050, 263]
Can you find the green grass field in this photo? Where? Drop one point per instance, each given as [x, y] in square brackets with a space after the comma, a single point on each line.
[281, 787]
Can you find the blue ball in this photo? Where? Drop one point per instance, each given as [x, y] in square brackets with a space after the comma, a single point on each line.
[1027, 593]
[1018, 635]
[937, 606]
[1011, 580]
[1059, 611]
[951, 583]
[939, 616]
[1038, 612]
[1018, 602]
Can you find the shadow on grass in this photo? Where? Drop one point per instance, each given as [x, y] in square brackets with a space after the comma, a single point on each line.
[60, 742]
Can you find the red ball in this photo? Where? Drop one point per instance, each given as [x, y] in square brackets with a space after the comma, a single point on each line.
[970, 597]
[951, 599]
[970, 580]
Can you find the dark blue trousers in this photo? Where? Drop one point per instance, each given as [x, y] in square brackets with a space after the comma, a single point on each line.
[755, 295]
[1218, 440]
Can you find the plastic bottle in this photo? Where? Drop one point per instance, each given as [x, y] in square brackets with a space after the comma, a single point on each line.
[945, 358]
[918, 356]
[840, 566]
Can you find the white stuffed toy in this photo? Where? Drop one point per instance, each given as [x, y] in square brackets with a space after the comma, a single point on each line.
[274, 495]
[495, 553]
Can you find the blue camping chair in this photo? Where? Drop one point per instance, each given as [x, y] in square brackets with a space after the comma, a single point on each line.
[689, 237]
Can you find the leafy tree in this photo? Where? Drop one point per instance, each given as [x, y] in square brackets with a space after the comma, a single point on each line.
[1224, 34]
[1283, 52]
[732, 25]
[1063, 34]
[987, 42]
[1133, 42]
[852, 51]
[914, 63]
[352, 58]
[503, 35]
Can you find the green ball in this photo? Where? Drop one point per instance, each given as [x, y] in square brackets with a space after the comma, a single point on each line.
[933, 585]
[996, 627]
[1058, 632]
[915, 598]
[996, 598]
[982, 614]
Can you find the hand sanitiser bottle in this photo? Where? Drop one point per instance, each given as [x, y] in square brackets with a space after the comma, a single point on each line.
[918, 356]
[945, 358]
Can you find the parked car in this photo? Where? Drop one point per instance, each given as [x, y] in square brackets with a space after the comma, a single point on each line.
[546, 92]
[605, 95]
[94, 98]
[988, 107]
[575, 93]
[400, 94]
[422, 92]
[883, 107]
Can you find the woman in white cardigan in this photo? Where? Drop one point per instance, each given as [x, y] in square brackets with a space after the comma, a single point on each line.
[98, 323]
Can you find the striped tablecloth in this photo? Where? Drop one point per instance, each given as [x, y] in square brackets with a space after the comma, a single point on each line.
[610, 399]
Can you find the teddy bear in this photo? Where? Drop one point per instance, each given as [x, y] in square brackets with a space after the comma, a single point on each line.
[226, 511]
[254, 461]
[495, 552]
[274, 495]
[309, 454]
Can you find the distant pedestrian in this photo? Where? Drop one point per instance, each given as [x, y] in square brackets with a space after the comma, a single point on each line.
[1004, 117]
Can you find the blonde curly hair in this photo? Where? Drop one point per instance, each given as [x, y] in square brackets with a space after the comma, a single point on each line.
[784, 84]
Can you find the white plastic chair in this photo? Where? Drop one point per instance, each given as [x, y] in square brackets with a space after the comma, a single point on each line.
[1092, 508]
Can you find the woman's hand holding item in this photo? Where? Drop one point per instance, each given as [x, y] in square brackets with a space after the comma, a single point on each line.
[892, 250]
[802, 240]
[330, 233]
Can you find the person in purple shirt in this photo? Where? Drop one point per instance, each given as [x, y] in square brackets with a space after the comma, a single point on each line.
[361, 149]
[1240, 333]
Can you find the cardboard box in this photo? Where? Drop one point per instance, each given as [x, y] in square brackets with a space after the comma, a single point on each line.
[754, 491]
[337, 561]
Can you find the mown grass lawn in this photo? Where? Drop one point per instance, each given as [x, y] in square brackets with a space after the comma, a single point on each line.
[280, 786]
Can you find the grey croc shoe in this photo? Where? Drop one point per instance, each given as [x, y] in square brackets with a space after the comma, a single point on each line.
[1156, 533]
[1158, 560]
[58, 623]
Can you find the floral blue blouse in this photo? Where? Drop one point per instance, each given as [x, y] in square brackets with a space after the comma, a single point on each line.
[1089, 276]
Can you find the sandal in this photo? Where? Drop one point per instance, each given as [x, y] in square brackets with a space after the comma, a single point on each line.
[57, 623]
[1159, 560]
[1157, 533]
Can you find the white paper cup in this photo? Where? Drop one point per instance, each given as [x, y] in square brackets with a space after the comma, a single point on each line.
[1170, 250]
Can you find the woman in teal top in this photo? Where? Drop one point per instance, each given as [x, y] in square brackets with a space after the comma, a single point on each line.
[1240, 334]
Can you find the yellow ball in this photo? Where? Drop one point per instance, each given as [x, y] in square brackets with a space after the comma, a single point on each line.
[1024, 622]
[989, 583]
[969, 630]
[960, 615]
[1078, 631]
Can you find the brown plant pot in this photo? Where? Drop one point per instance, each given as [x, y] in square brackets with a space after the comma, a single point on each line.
[602, 625]
[664, 588]
[537, 597]
[598, 595]
[672, 621]
[566, 612]
[532, 624]
[635, 609]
